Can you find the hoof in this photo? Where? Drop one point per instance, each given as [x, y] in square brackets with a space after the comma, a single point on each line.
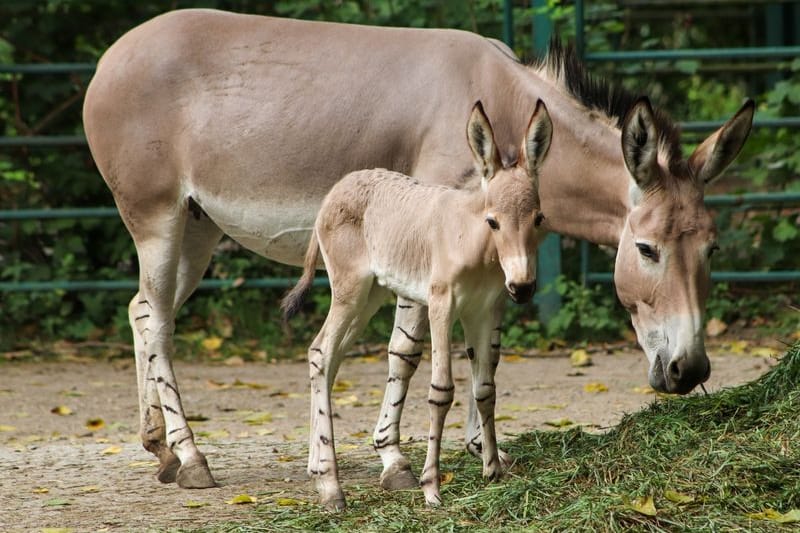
[195, 476]
[168, 471]
[434, 500]
[399, 477]
[335, 505]
[506, 461]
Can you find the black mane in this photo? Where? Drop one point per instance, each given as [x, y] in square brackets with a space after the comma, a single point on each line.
[562, 62]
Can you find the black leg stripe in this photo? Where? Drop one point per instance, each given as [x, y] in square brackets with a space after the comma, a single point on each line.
[408, 335]
[385, 444]
[440, 404]
[411, 359]
[399, 402]
[443, 389]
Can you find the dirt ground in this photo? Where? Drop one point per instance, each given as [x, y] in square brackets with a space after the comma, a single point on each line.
[70, 456]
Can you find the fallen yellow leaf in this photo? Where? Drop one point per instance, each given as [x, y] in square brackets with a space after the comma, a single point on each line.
[359, 435]
[234, 360]
[504, 417]
[95, 424]
[513, 358]
[241, 499]
[41, 490]
[90, 488]
[580, 358]
[643, 505]
[4, 427]
[61, 410]
[112, 450]
[738, 347]
[762, 351]
[347, 447]
[262, 432]
[342, 385]
[455, 425]
[347, 400]
[559, 422]
[257, 419]
[647, 389]
[677, 497]
[191, 504]
[248, 385]
[446, 477]
[212, 343]
[595, 387]
[286, 458]
[142, 464]
[289, 501]
[776, 516]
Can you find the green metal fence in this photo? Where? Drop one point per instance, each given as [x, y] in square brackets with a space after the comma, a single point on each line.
[758, 200]
[550, 254]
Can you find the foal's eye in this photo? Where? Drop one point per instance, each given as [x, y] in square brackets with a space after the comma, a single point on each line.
[648, 251]
[492, 223]
[714, 247]
[537, 221]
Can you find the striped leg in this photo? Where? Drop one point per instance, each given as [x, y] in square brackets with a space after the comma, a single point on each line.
[345, 321]
[483, 360]
[474, 434]
[405, 352]
[151, 422]
[199, 239]
[440, 394]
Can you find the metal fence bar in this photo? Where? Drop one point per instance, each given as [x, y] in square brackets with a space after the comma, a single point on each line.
[43, 140]
[69, 212]
[132, 284]
[768, 52]
[47, 68]
[776, 276]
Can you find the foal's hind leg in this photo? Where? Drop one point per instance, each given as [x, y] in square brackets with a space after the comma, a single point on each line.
[159, 258]
[405, 352]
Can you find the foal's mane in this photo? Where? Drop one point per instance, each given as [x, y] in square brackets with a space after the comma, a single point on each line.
[562, 65]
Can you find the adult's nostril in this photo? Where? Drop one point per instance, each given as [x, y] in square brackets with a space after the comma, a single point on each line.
[674, 370]
[512, 287]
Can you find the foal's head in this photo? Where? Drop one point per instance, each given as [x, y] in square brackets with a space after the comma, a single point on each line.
[512, 196]
[662, 271]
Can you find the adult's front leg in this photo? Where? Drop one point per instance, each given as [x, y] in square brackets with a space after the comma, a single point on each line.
[405, 352]
[440, 394]
[473, 431]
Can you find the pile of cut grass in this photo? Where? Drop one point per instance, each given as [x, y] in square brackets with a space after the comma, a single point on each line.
[733, 453]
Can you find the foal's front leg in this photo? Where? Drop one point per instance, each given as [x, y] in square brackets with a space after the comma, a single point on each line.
[483, 361]
[440, 395]
[405, 352]
[474, 434]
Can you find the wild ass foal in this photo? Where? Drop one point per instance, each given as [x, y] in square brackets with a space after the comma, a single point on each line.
[453, 250]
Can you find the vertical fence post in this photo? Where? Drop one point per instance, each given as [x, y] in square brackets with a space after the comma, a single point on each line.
[508, 23]
[549, 266]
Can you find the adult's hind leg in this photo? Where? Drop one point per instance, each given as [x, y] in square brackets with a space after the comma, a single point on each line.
[172, 261]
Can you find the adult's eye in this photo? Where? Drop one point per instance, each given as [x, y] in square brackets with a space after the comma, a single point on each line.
[492, 223]
[537, 221]
[713, 248]
[647, 251]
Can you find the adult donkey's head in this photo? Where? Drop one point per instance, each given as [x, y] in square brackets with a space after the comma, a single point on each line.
[662, 271]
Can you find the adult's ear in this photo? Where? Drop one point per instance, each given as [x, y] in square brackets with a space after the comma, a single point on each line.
[640, 144]
[721, 147]
[481, 142]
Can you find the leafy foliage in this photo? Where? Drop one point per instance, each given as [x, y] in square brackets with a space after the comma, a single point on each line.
[80, 30]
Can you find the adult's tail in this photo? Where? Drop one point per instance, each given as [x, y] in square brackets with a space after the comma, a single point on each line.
[294, 299]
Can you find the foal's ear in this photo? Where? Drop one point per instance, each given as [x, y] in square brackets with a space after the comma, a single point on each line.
[721, 147]
[537, 140]
[640, 143]
[481, 142]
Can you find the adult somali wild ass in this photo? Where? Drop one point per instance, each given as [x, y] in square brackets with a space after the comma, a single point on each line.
[204, 123]
[453, 250]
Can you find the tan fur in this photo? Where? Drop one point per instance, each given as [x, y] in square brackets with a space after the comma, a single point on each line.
[255, 118]
[379, 230]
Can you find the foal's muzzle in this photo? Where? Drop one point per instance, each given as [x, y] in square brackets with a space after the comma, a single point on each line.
[521, 292]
